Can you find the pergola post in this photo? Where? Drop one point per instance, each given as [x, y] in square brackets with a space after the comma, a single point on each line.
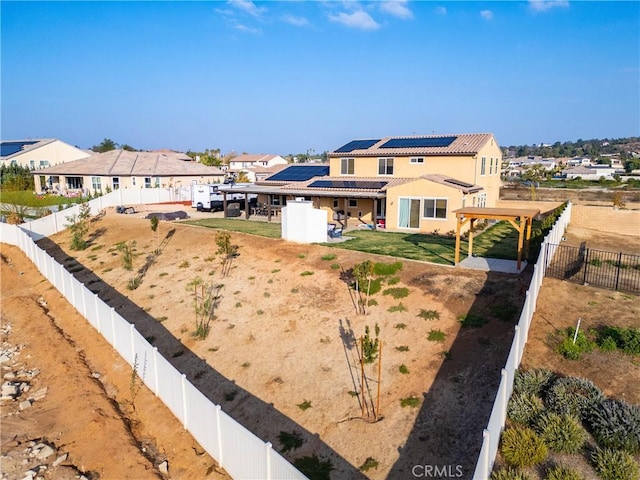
[460, 224]
[470, 252]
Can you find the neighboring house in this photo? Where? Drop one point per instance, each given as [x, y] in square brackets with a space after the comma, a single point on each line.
[594, 172]
[244, 161]
[578, 161]
[257, 174]
[402, 183]
[39, 153]
[124, 169]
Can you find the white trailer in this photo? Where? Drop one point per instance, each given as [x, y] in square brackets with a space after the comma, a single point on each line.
[210, 198]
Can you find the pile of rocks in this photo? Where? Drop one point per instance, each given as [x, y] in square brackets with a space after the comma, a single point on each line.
[34, 459]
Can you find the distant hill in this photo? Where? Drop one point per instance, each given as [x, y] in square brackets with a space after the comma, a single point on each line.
[589, 148]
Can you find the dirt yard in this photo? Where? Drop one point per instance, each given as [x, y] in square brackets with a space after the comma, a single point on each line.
[282, 339]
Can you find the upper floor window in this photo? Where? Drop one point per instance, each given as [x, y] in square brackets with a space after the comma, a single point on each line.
[482, 200]
[347, 166]
[417, 161]
[491, 166]
[483, 166]
[385, 166]
[44, 163]
[32, 164]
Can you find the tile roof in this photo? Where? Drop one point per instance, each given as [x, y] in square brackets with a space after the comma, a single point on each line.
[452, 183]
[11, 148]
[253, 158]
[464, 144]
[126, 163]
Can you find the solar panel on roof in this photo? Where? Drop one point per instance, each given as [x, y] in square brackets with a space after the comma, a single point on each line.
[299, 173]
[418, 142]
[354, 184]
[9, 148]
[357, 145]
[460, 183]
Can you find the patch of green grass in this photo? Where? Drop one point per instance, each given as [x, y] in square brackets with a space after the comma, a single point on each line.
[184, 264]
[472, 320]
[412, 402]
[393, 281]
[436, 336]
[372, 302]
[314, 468]
[397, 308]
[403, 348]
[306, 273]
[386, 269]
[275, 270]
[335, 266]
[306, 404]
[302, 255]
[400, 326]
[262, 229]
[403, 369]
[328, 257]
[396, 293]
[97, 247]
[29, 199]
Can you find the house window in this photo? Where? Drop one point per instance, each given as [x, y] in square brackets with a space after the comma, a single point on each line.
[482, 200]
[416, 161]
[32, 164]
[353, 202]
[147, 182]
[385, 166]
[44, 163]
[491, 166]
[335, 203]
[95, 184]
[346, 166]
[483, 166]
[435, 208]
[409, 214]
[115, 183]
[74, 183]
[157, 185]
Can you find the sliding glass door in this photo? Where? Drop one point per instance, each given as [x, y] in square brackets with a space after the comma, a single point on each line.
[409, 215]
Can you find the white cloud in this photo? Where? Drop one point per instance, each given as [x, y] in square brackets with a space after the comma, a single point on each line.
[296, 21]
[244, 28]
[544, 5]
[248, 6]
[486, 14]
[358, 19]
[397, 8]
[441, 10]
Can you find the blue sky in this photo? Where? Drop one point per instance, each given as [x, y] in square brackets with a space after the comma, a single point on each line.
[288, 77]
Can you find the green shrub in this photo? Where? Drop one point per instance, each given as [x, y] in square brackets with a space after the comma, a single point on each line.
[412, 402]
[429, 314]
[616, 424]
[534, 382]
[559, 472]
[522, 447]
[561, 433]
[615, 465]
[625, 339]
[403, 369]
[306, 404]
[509, 474]
[573, 351]
[368, 464]
[328, 257]
[397, 292]
[385, 269]
[397, 308]
[524, 408]
[573, 396]
[436, 336]
[608, 344]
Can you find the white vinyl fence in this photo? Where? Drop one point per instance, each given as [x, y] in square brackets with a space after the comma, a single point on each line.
[242, 454]
[491, 435]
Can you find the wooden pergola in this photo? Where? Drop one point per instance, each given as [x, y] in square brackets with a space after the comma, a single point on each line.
[520, 218]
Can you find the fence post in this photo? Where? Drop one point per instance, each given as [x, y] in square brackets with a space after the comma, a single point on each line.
[516, 340]
[95, 309]
[156, 376]
[486, 440]
[504, 380]
[586, 265]
[113, 327]
[268, 465]
[83, 289]
[132, 329]
[219, 432]
[183, 379]
[618, 271]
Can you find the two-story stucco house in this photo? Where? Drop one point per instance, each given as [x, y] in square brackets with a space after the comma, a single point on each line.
[410, 184]
[39, 153]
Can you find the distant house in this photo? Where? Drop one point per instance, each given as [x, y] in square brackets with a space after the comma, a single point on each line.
[410, 184]
[39, 153]
[124, 169]
[577, 161]
[593, 172]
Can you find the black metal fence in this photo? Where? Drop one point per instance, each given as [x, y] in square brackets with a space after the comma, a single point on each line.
[613, 270]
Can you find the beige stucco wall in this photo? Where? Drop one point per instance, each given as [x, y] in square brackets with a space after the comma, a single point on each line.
[55, 153]
[126, 182]
[606, 219]
[421, 189]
